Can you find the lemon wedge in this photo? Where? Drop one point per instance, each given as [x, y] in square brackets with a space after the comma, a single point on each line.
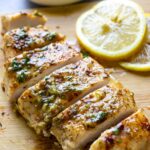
[113, 29]
[141, 61]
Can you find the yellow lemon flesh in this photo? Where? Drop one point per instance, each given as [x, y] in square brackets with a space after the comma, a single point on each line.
[141, 62]
[113, 29]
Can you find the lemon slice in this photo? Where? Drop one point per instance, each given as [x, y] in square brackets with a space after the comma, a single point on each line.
[148, 27]
[113, 29]
[141, 62]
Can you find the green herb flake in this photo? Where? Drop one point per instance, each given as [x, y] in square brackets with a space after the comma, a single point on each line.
[119, 141]
[21, 76]
[116, 131]
[53, 90]
[87, 106]
[53, 108]
[98, 117]
[15, 65]
[50, 36]
[30, 41]
[94, 118]
[46, 78]
[63, 96]
[25, 60]
[49, 99]
[85, 54]
[69, 78]
[41, 93]
[21, 34]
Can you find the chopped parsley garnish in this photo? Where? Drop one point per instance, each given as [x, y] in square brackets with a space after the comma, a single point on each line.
[48, 99]
[87, 106]
[30, 41]
[21, 34]
[85, 54]
[69, 78]
[119, 141]
[98, 117]
[26, 60]
[46, 78]
[94, 118]
[42, 92]
[21, 76]
[50, 36]
[15, 66]
[53, 90]
[116, 131]
[63, 96]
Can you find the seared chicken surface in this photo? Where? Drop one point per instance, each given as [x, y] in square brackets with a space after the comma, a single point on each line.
[40, 103]
[132, 133]
[27, 38]
[82, 122]
[22, 19]
[28, 68]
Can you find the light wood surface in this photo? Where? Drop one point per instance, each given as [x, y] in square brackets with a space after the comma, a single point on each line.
[14, 133]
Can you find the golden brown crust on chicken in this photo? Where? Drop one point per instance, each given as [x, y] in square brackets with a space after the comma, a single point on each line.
[27, 38]
[87, 118]
[132, 133]
[21, 19]
[40, 103]
[28, 68]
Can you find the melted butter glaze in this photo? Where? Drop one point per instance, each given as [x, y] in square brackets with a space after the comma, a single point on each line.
[95, 108]
[31, 63]
[27, 38]
[62, 87]
[134, 128]
[82, 119]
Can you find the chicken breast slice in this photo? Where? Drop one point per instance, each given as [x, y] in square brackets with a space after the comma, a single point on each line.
[21, 19]
[82, 122]
[40, 103]
[132, 133]
[27, 38]
[28, 68]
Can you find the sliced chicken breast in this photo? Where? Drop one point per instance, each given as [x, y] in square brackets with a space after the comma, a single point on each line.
[40, 103]
[21, 19]
[132, 133]
[82, 122]
[27, 38]
[28, 68]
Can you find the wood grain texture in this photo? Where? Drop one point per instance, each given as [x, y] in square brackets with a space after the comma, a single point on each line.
[14, 133]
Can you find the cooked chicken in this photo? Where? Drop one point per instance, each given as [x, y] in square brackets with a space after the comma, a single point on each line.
[28, 68]
[40, 103]
[22, 19]
[132, 133]
[27, 38]
[82, 122]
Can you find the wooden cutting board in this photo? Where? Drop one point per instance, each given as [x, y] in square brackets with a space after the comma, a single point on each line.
[14, 133]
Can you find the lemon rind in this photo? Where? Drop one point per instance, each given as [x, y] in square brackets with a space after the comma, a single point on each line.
[136, 67]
